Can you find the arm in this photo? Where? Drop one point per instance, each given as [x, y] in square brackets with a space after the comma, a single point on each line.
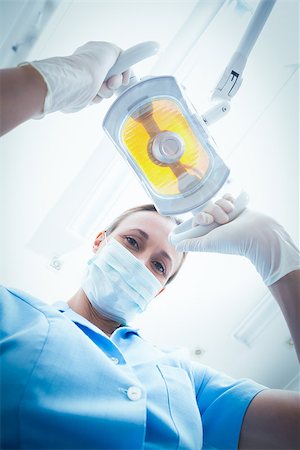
[286, 291]
[272, 421]
[22, 94]
[65, 84]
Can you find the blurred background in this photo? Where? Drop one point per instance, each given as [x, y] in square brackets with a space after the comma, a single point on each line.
[62, 180]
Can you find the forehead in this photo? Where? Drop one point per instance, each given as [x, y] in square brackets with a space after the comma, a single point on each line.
[151, 220]
[157, 228]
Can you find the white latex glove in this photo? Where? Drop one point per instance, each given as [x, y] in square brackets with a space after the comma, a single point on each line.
[254, 235]
[75, 81]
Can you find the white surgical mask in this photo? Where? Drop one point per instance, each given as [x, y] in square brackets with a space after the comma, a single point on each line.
[117, 284]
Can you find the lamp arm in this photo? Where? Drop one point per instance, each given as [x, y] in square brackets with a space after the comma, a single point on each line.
[231, 79]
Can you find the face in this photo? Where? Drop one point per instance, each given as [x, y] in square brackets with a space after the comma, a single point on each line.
[145, 235]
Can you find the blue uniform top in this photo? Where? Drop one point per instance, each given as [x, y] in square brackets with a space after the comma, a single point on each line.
[66, 385]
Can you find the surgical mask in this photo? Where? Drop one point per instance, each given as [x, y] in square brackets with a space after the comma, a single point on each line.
[117, 284]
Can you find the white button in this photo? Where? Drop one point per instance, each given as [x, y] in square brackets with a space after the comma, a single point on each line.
[114, 360]
[134, 393]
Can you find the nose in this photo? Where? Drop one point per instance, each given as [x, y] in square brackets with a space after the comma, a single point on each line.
[145, 258]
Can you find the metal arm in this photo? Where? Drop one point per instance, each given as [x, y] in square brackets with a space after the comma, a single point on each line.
[231, 78]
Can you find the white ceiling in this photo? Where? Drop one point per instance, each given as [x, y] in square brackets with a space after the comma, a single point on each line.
[259, 140]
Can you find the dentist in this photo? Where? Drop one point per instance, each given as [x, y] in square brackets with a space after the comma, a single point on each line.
[76, 375]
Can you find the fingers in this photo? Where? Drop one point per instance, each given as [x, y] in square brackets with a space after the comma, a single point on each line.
[126, 77]
[229, 197]
[203, 218]
[225, 204]
[200, 244]
[215, 212]
[104, 91]
[183, 247]
[114, 82]
[187, 245]
[212, 213]
[109, 87]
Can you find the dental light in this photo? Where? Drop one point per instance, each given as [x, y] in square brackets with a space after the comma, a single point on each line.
[165, 141]
[76, 215]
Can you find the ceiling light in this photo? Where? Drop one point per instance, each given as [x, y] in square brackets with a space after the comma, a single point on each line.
[257, 320]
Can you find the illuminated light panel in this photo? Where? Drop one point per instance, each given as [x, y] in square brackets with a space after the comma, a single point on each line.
[137, 133]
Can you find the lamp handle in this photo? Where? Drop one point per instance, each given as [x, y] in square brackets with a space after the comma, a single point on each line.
[132, 56]
[186, 230]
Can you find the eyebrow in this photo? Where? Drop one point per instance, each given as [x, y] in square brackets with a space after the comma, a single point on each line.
[146, 236]
[166, 255]
[143, 233]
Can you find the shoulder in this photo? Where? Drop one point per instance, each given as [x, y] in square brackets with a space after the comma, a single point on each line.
[8, 294]
[11, 295]
[216, 384]
[20, 311]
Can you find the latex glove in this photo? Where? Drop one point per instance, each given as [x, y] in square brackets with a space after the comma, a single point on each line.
[75, 81]
[256, 236]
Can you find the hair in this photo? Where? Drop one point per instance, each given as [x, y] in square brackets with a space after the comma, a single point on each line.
[141, 208]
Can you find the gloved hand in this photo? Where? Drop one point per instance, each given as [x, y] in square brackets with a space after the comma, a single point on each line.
[254, 235]
[75, 81]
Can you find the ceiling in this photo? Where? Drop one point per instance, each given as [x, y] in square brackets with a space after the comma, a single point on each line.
[47, 165]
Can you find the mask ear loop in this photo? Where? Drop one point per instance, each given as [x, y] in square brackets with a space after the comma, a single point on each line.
[105, 238]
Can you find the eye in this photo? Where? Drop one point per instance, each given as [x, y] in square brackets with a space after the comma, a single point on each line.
[159, 267]
[132, 242]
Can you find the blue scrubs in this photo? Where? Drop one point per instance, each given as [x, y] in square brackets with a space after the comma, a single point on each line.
[66, 385]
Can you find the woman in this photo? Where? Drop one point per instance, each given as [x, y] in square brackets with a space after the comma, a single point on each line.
[76, 375]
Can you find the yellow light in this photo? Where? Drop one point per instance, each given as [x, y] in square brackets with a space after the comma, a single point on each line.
[139, 130]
